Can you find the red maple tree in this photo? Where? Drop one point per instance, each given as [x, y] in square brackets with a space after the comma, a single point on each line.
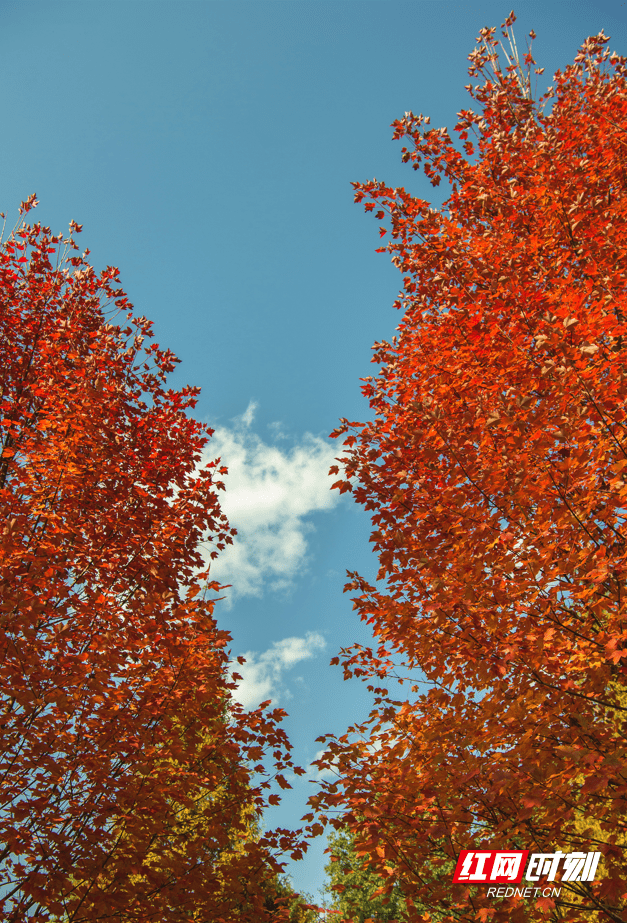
[129, 779]
[495, 468]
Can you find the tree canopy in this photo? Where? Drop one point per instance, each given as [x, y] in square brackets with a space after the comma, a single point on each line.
[129, 775]
[355, 888]
[494, 469]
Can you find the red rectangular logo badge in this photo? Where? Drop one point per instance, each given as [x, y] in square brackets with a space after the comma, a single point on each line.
[491, 866]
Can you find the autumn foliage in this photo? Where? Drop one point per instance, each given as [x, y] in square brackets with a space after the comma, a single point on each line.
[495, 469]
[130, 781]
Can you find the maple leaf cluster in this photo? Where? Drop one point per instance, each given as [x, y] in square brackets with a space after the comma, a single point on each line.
[495, 469]
[130, 778]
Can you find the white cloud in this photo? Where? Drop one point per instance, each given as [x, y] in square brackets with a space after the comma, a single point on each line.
[262, 674]
[269, 494]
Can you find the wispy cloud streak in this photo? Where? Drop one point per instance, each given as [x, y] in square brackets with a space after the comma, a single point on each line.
[262, 674]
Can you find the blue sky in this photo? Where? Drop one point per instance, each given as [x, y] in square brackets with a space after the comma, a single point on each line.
[208, 149]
